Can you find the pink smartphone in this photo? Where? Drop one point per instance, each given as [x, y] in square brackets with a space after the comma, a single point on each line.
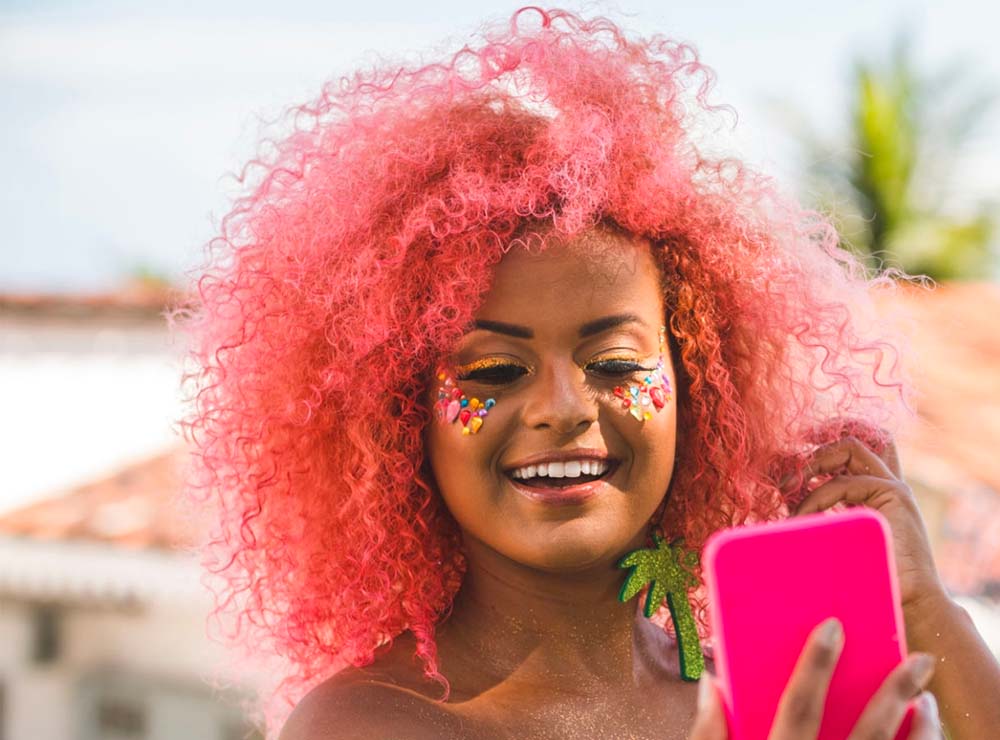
[771, 584]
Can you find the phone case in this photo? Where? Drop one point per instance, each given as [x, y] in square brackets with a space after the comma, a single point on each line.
[771, 584]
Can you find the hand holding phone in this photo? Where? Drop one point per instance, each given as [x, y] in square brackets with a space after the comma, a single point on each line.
[801, 706]
[770, 586]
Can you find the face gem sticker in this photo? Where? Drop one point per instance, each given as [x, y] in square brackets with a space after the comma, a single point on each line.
[452, 405]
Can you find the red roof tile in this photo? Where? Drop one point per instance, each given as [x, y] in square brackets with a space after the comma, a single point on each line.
[138, 299]
[134, 508]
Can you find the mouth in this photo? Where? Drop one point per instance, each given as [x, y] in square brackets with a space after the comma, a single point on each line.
[563, 482]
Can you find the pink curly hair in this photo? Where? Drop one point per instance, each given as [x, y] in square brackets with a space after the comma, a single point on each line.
[364, 246]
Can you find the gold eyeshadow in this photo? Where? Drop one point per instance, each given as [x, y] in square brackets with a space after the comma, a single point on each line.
[491, 363]
[487, 363]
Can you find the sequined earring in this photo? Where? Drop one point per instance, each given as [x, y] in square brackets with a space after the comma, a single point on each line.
[667, 571]
[652, 393]
[453, 405]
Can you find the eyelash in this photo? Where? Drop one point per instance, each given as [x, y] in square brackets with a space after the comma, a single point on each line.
[506, 373]
[499, 374]
[617, 367]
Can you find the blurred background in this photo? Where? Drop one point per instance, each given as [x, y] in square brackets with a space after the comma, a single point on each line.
[120, 123]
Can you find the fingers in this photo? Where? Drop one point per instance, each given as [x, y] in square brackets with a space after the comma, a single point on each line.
[710, 721]
[890, 456]
[800, 709]
[926, 722]
[851, 489]
[885, 711]
[862, 477]
[848, 455]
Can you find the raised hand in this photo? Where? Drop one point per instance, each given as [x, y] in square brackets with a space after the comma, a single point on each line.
[863, 478]
[967, 679]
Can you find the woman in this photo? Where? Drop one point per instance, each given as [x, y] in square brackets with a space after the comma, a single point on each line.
[484, 327]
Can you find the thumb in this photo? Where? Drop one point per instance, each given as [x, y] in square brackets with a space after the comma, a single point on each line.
[710, 720]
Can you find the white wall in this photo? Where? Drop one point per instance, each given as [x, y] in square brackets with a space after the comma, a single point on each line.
[36, 698]
[95, 394]
[157, 658]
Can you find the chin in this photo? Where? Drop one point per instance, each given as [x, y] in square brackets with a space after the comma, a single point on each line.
[574, 546]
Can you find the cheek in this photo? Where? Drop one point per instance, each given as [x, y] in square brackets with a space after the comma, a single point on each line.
[653, 439]
[460, 447]
[652, 443]
[447, 450]
[662, 436]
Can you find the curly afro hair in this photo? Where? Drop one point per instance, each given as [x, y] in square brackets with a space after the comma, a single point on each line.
[365, 241]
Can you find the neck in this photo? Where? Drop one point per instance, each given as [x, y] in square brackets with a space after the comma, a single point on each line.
[514, 624]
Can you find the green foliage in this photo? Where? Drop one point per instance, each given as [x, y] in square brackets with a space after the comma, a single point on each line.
[890, 190]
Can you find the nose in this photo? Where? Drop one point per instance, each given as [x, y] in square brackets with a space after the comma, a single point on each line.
[559, 399]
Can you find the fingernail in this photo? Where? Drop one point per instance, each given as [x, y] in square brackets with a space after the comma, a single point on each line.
[705, 691]
[922, 667]
[832, 633]
[929, 706]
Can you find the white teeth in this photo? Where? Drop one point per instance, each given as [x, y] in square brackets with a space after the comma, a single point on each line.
[567, 469]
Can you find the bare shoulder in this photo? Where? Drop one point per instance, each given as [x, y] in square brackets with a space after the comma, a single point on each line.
[358, 705]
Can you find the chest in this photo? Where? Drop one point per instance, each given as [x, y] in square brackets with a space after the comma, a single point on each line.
[660, 715]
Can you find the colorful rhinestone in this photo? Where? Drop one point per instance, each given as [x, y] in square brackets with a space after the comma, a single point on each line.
[638, 397]
[453, 405]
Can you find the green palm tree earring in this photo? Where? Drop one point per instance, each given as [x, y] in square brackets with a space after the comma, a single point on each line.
[666, 568]
[668, 571]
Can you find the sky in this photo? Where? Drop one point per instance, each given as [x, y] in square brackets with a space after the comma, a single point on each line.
[122, 123]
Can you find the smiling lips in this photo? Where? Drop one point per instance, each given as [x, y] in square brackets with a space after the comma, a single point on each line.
[570, 469]
[564, 472]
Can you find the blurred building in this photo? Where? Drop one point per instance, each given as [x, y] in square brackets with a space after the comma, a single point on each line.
[102, 618]
[102, 612]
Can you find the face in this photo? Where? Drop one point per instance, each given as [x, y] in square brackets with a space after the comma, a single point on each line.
[562, 342]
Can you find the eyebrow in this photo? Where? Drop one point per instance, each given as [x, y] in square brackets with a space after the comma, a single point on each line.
[511, 330]
[609, 322]
[587, 330]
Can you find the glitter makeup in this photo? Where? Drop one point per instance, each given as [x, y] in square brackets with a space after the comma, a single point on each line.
[453, 405]
[652, 392]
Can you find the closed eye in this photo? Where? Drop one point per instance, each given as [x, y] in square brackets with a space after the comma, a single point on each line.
[493, 374]
[616, 367]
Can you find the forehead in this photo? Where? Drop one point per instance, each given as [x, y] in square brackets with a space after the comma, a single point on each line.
[597, 274]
